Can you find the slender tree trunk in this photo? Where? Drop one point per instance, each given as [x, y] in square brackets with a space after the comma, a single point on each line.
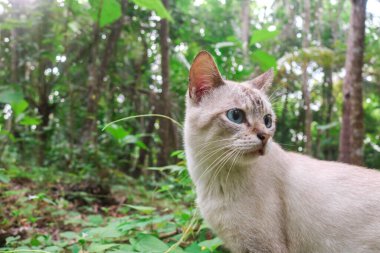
[164, 103]
[352, 132]
[14, 55]
[305, 87]
[329, 103]
[92, 91]
[245, 10]
[44, 88]
[97, 71]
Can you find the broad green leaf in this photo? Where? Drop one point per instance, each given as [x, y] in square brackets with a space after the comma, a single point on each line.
[19, 107]
[11, 239]
[117, 132]
[141, 144]
[156, 6]
[10, 96]
[211, 245]
[110, 231]
[150, 244]
[97, 247]
[95, 220]
[262, 35]
[75, 248]
[265, 60]
[194, 248]
[105, 12]
[28, 121]
[69, 235]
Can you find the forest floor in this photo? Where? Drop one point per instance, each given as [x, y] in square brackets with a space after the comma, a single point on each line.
[46, 210]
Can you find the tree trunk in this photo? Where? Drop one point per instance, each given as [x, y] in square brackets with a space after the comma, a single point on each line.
[14, 55]
[305, 87]
[245, 10]
[44, 88]
[352, 132]
[329, 103]
[164, 101]
[97, 72]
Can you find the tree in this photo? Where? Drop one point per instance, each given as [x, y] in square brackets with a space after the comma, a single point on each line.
[166, 129]
[305, 86]
[97, 71]
[352, 132]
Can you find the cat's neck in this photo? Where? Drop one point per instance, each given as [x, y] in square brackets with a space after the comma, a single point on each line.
[235, 176]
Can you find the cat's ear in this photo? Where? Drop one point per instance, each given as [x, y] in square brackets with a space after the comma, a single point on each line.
[204, 76]
[263, 81]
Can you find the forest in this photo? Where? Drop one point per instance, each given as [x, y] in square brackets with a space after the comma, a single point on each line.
[92, 99]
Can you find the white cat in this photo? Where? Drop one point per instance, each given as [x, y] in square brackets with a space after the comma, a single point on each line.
[258, 197]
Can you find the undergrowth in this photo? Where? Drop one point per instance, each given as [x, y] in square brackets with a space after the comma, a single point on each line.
[48, 210]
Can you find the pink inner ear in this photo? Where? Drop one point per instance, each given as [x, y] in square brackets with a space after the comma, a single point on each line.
[204, 76]
[200, 90]
[200, 86]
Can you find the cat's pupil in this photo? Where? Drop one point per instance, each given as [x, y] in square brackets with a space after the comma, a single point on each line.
[235, 115]
[268, 120]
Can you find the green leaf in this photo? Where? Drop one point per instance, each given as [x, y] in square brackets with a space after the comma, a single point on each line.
[4, 178]
[265, 60]
[262, 35]
[156, 6]
[110, 231]
[194, 248]
[212, 244]
[69, 235]
[95, 220]
[105, 12]
[19, 107]
[10, 96]
[144, 209]
[28, 121]
[117, 132]
[150, 244]
[97, 247]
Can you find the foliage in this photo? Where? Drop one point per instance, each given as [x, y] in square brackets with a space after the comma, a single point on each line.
[65, 216]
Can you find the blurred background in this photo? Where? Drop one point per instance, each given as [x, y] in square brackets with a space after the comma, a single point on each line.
[69, 67]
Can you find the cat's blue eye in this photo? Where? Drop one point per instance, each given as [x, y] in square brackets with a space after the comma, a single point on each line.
[236, 115]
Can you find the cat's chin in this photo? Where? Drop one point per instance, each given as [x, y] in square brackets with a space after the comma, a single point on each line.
[255, 153]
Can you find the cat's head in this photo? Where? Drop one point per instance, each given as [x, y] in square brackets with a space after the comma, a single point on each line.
[227, 115]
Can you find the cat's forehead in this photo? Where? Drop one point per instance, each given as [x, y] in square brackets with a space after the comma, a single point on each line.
[248, 97]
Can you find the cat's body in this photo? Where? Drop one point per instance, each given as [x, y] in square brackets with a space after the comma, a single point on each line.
[260, 198]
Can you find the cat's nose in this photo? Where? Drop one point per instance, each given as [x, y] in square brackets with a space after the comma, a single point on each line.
[263, 137]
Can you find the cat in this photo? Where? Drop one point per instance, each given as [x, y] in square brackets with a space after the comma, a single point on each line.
[256, 196]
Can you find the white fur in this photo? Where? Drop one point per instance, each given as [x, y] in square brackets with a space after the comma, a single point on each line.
[281, 201]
